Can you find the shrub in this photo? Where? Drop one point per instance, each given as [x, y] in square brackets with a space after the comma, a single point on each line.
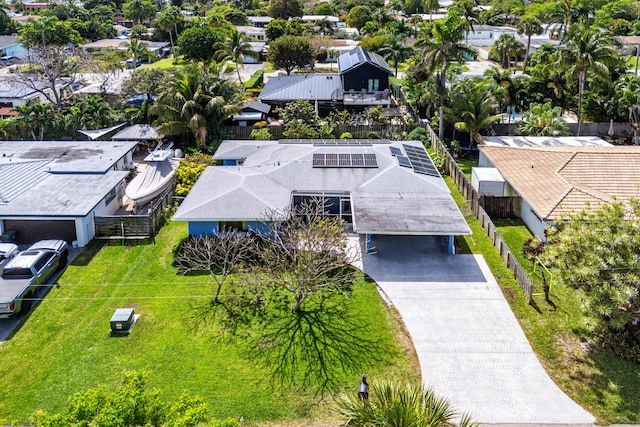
[346, 135]
[532, 248]
[419, 134]
[261, 134]
[256, 80]
[190, 170]
[439, 161]
[373, 135]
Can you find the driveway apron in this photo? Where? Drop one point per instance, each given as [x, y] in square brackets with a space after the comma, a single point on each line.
[471, 348]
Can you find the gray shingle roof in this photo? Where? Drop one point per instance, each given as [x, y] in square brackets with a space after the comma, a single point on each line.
[415, 203]
[308, 87]
[358, 57]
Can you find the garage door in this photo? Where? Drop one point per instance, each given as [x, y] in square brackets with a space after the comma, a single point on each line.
[28, 232]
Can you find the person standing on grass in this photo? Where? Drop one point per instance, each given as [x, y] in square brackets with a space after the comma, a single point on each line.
[363, 388]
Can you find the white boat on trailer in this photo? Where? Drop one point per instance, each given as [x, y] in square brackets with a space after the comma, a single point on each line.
[154, 179]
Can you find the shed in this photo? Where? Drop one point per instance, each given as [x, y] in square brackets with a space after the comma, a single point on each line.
[487, 182]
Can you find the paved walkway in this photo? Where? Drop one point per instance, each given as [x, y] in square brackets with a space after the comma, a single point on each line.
[471, 348]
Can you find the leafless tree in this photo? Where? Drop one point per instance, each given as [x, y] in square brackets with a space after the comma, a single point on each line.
[51, 70]
[306, 252]
[219, 256]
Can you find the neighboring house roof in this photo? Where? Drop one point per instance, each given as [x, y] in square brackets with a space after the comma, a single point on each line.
[6, 41]
[387, 198]
[628, 40]
[122, 44]
[545, 141]
[558, 180]
[257, 106]
[13, 89]
[359, 57]
[57, 178]
[137, 133]
[261, 19]
[302, 86]
[320, 18]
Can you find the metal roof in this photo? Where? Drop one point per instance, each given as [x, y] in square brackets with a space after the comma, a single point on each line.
[358, 57]
[302, 86]
[137, 133]
[67, 156]
[257, 106]
[63, 195]
[18, 177]
[271, 172]
[545, 141]
[12, 89]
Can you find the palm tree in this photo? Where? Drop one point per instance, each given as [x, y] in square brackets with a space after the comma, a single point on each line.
[543, 120]
[587, 49]
[396, 51]
[398, 405]
[168, 20]
[507, 47]
[443, 45]
[34, 118]
[7, 128]
[473, 108]
[325, 27]
[468, 10]
[194, 101]
[529, 25]
[91, 113]
[234, 48]
[430, 5]
[505, 88]
[136, 49]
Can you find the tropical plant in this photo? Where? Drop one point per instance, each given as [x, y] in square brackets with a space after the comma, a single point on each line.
[34, 118]
[507, 47]
[587, 50]
[543, 120]
[194, 101]
[473, 108]
[138, 10]
[396, 51]
[443, 44]
[529, 25]
[234, 48]
[468, 10]
[90, 113]
[398, 405]
[168, 20]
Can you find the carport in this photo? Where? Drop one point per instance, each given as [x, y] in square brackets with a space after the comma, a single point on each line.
[407, 214]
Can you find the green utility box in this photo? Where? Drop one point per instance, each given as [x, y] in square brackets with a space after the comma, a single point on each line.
[122, 321]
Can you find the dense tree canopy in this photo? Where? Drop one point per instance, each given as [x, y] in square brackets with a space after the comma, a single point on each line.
[289, 52]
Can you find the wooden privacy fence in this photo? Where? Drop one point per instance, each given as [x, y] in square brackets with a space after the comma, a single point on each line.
[357, 131]
[474, 200]
[135, 227]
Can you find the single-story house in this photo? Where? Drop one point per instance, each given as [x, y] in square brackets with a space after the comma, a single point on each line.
[10, 46]
[256, 33]
[158, 49]
[14, 93]
[362, 81]
[54, 189]
[259, 21]
[251, 113]
[378, 187]
[553, 181]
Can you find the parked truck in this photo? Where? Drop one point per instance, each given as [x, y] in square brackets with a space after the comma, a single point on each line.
[25, 272]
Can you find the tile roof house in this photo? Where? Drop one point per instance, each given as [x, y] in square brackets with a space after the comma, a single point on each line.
[554, 181]
[362, 81]
[377, 186]
[53, 189]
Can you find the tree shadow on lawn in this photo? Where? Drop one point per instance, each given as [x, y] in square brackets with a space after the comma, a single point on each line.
[317, 348]
[612, 381]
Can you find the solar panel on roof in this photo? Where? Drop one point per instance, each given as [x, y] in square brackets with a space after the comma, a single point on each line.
[370, 160]
[331, 159]
[395, 151]
[403, 161]
[357, 160]
[318, 160]
[344, 160]
[420, 160]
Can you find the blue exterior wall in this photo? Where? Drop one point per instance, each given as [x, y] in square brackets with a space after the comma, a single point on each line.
[200, 228]
[13, 49]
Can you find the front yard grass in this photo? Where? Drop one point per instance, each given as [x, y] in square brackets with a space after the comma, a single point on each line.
[602, 383]
[65, 346]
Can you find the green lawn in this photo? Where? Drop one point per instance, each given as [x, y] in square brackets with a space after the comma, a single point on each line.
[603, 384]
[163, 63]
[65, 346]
[466, 163]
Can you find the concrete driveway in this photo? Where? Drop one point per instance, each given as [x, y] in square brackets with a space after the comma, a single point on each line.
[471, 348]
